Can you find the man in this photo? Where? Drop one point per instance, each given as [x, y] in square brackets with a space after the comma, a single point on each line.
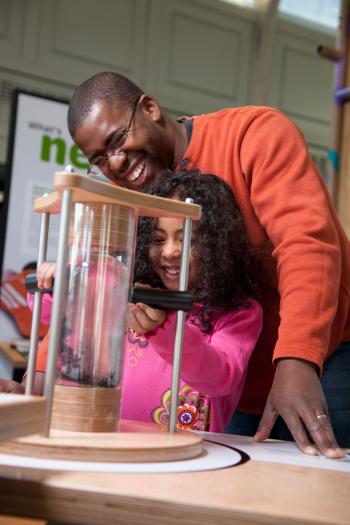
[290, 219]
[262, 155]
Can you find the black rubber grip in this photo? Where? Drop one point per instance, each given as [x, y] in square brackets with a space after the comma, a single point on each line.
[161, 299]
[31, 284]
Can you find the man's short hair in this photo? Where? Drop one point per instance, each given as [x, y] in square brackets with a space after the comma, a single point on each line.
[112, 88]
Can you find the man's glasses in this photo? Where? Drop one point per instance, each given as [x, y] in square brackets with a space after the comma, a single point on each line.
[116, 142]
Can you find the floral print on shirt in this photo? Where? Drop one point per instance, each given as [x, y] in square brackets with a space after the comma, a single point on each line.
[193, 412]
[137, 343]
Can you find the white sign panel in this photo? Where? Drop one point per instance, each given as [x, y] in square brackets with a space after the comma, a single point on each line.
[40, 145]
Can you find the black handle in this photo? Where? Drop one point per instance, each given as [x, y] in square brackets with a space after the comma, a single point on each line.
[162, 299]
[31, 284]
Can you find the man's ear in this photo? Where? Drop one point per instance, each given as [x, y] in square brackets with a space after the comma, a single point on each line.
[150, 108]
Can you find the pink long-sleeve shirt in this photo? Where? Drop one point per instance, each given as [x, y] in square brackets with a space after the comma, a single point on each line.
[212, 374]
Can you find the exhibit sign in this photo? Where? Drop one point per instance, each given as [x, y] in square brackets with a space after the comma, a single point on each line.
[39, 145]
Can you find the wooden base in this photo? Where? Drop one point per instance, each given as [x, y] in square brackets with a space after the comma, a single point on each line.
[141, 443]
[13, 520]
[21, 415]
[85, 408]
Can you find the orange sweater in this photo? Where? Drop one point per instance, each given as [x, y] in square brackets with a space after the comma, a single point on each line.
[262, 155]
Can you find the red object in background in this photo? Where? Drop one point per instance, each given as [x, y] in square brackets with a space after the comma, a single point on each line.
[13, 301]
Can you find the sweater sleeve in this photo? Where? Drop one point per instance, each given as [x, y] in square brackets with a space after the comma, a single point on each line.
[215, 366]
[293, 205]
[45, 318]
[41, 357]
[46, 306]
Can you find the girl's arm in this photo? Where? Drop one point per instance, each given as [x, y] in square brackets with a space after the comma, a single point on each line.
[46, 306]
[45, 274]
[12, 387]
[216, 366]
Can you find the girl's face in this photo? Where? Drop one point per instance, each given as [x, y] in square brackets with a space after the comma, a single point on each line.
[165, 253]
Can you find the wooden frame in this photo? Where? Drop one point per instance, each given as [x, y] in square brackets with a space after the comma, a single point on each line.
[89, 190]
[21, 415]
[81, 189]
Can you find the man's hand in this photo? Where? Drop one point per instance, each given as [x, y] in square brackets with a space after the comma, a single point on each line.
[144, 318]
[296, 395]
[11, 387]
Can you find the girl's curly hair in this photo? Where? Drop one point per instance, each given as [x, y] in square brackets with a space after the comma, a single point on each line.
[222, 247]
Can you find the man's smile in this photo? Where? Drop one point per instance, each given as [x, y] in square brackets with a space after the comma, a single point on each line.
[134, 174]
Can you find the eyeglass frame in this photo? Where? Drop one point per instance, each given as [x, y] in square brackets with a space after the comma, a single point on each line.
[115, 151]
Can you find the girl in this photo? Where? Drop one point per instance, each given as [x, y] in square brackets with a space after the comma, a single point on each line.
[222, 329]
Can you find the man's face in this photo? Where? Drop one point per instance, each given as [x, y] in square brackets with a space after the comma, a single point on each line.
[145, 151]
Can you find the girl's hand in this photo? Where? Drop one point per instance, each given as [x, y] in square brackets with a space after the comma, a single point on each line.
[45, 274]
[11, 387]
[144, 318]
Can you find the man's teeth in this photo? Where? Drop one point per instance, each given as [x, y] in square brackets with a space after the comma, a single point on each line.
[137, 171]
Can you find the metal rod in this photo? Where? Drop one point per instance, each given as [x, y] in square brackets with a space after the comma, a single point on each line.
[341, 95]
[269, 17]
[180, 320]
[330, 52]
[340, 76]
[56, 316]
[34, 333]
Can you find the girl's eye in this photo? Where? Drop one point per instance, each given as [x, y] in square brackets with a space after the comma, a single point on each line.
[157, 240]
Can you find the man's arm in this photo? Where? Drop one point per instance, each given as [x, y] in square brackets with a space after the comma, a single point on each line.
[293, 206]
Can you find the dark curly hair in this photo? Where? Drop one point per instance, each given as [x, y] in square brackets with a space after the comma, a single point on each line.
[225, 256]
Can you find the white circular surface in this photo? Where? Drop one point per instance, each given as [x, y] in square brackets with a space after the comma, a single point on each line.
[216, 456]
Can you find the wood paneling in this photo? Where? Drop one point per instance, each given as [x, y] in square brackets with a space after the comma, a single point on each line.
[301, 81]
[12, 16]
[195, 56]
[83, 37]
[203, 56]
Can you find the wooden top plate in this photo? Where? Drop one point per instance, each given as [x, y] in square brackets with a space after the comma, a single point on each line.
[89, 190]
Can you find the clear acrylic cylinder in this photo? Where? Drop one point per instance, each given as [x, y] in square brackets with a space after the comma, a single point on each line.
[90, 360]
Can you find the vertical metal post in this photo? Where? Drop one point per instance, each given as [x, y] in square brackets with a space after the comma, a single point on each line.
[180, 319]
[56, 316]
[338, 158]
[268, 21]
[34, 334]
